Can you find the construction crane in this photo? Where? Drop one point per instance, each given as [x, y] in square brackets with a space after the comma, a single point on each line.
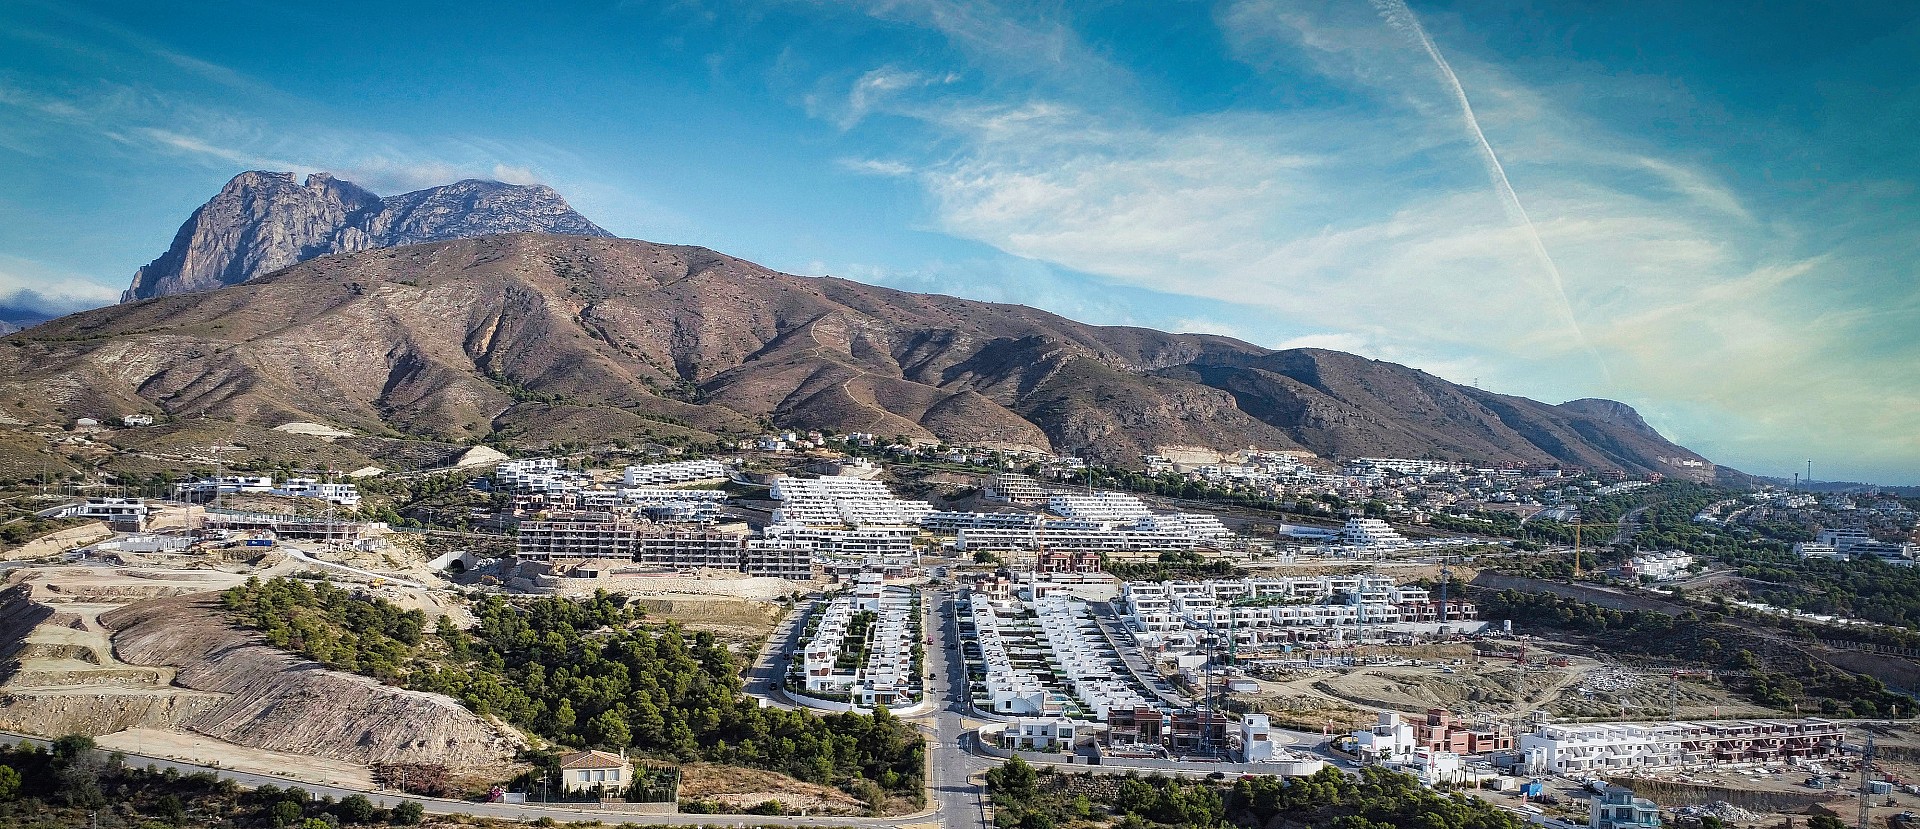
[1866, 779]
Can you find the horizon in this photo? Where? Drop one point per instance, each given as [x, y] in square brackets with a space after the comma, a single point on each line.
[1710, 222]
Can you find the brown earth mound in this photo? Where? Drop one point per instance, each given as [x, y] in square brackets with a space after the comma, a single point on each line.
[282, 703]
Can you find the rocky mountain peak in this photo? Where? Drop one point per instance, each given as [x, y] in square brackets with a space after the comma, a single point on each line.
[263, 221]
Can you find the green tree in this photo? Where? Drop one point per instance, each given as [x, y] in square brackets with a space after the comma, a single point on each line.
[356, 809]
[408, 813]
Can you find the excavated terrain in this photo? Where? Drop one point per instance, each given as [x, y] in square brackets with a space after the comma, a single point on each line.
[99, 651]
[271, 699]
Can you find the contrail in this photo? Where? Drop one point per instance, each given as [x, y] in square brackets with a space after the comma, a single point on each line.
[1399, 16]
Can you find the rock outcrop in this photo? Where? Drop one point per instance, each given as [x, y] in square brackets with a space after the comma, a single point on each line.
[261, 222]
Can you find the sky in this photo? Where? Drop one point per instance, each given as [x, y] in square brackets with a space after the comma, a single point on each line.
[1706, 210]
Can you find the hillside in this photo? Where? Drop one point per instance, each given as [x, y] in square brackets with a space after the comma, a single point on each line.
[545, 337]
[261, 222]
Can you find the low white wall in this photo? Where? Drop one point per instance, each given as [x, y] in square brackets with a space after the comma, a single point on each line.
[923, 706]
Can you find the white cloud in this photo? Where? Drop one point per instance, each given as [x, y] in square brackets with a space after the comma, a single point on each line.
[1375, 226]
[49, 290]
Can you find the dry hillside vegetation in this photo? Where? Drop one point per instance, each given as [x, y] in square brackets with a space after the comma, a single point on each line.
[539, 337]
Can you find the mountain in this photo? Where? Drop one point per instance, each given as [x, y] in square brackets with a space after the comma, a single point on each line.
[262, 222]
[544, 337]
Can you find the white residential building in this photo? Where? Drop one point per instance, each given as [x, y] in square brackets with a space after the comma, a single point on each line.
[1039, 734]
[346, 495]
[1256, 738]
[540, 475]
[840, 500]
[1102, 507]
[1390, 740]
[1370, 532]
[224, 485]
[677, 472]
[1662, 566]
[949, 523]
[1597, 748]
[1059, 536]
[1196, 524]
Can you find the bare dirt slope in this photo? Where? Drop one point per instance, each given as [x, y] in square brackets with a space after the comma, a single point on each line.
[132, 652]
[273, 700]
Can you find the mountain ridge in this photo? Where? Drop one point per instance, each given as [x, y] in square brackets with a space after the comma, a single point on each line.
[262, 221]
[548, 337]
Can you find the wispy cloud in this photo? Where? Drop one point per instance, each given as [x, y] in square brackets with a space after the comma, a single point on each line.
[1308, 212]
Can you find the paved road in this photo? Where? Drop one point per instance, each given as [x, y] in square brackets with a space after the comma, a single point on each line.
[506, 811]
[765, 677]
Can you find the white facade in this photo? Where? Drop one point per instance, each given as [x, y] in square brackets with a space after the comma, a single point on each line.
[225, 485]
[539, 475]
[677, 472]
[1370, 532]
[885, 676]
[1570, 749]
[1104, 507]
[1389, 741]
[1055, 536]
[346, 495]
[1661, 566]
[839, 500]
[1039, 734]
[1196, 524]
[1256, 738]
[1269, 611]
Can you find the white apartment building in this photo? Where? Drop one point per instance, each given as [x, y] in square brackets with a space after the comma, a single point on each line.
[1390, 740]
[539, 475]
[1263, 612]
[224, 485]
[1815, 549]
[1102, 507]
[1196, 524]
[1843, 539]
[1039, 734]
[883, 542]
[839, 500]
[657, 503]
[1662, 566]
[1058, 536]
[1012, 488]
[346, 495]
[1370, 532]
[884, 676]
[950, 523]
[1093, 671]
[1410, 466]
[1596, 748]
[677, 472]
[1256, 738]
[1009, 688]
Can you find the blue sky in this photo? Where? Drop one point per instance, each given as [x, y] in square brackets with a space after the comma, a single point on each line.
[1712, 212]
